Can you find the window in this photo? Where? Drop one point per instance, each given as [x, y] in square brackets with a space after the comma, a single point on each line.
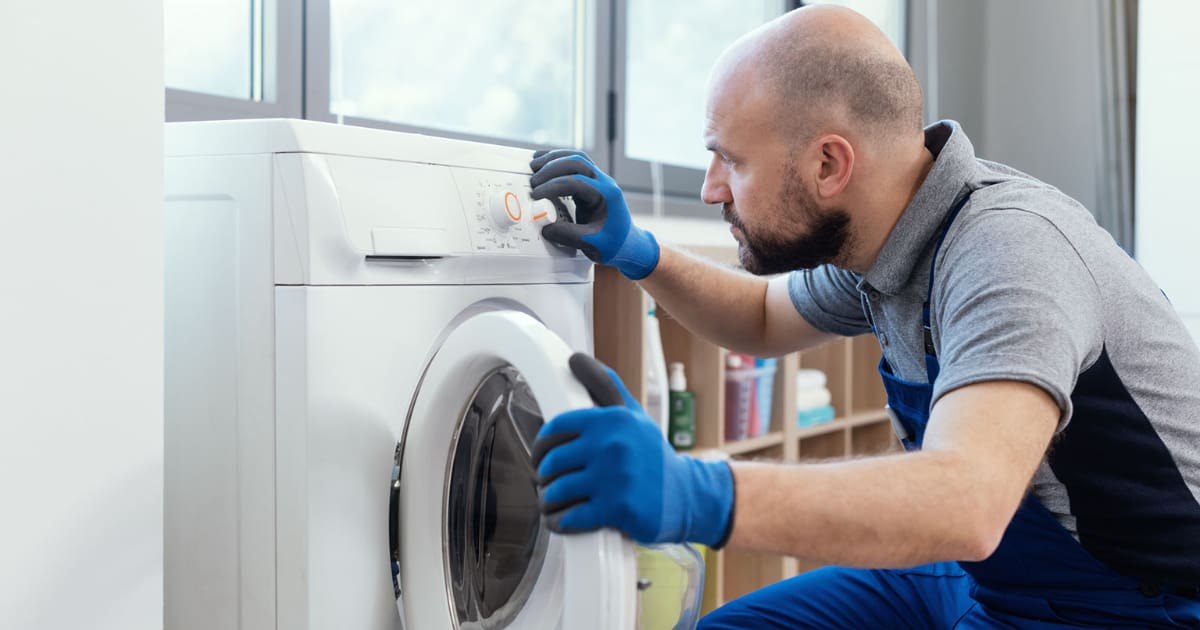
[232, 58]
[670, 47]
[505, 68]
[212, 46]
[625, 80]
[665, 50]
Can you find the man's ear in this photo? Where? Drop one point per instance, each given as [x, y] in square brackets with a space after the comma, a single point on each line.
[836, 157]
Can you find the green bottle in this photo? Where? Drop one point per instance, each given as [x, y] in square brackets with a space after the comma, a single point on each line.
[682, 422]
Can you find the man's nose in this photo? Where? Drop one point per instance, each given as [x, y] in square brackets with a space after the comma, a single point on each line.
[715, 189]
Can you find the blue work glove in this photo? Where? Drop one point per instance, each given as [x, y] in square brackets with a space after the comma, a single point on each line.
[602, 229]
[610, 466]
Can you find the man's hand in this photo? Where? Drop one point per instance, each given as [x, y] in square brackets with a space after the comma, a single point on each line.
[603, 229]
[611, 467]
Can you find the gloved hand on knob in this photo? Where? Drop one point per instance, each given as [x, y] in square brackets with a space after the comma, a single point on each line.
[603, 229]
[610, 466]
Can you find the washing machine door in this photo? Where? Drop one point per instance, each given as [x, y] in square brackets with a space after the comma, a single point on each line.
[470, 549]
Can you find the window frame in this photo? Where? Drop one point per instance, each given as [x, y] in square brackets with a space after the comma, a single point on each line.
[282, 75]
[296, 63]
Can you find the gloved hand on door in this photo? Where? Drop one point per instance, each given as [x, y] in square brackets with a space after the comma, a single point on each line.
[603, 228]
[610, 466]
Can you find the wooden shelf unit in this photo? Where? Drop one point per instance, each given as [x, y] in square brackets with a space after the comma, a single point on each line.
[861, 425]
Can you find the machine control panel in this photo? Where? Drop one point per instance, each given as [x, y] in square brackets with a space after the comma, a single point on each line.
[502, 216]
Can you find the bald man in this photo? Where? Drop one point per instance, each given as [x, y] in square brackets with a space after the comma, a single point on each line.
[1045, 390]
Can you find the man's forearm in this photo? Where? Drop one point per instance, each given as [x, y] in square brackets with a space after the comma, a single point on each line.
[719, 304]
[894, 511]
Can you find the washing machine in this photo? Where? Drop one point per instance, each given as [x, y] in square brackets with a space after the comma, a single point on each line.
[364, 332]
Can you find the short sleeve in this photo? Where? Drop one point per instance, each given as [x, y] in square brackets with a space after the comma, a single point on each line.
[1014, 301]
[827, 297]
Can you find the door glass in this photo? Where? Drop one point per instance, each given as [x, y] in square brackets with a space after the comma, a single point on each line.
[495, 545]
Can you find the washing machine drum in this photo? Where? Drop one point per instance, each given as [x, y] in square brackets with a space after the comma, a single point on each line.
[469, 549]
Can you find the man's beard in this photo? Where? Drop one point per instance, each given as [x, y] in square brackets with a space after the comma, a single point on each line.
[766, 253]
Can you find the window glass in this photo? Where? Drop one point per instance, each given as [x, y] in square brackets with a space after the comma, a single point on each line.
[495, 543]
[888, 15]
[671, 45]
[503, 68]
[209, 46]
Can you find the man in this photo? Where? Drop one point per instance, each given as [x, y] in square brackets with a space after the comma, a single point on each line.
[1045, 388]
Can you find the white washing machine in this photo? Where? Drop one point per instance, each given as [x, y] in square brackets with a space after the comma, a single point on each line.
[365, 331]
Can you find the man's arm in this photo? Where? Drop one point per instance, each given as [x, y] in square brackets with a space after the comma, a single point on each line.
[950, 501]
[732, 309]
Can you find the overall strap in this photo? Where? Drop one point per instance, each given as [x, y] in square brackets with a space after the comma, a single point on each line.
[932, 368]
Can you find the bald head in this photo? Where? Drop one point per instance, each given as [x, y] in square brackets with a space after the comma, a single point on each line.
[827, 68]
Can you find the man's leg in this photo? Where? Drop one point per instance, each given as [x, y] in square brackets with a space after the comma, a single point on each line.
[924, 597]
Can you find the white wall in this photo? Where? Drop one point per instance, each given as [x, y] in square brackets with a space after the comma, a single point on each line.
[1042, 92]
[80, 314]
[1023, 79]
[1168, 136]
[961, 51]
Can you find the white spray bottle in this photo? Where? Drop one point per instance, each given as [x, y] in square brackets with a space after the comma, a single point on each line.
[656, 369]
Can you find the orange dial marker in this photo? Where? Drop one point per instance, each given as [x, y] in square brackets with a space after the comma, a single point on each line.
[508, 207]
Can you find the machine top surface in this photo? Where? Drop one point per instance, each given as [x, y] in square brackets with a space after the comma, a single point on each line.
[284, 135]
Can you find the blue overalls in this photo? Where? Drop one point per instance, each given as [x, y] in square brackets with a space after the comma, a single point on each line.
[1039, 577]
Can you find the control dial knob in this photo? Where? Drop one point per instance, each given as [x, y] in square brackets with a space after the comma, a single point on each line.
[543, 213]
[505, 209]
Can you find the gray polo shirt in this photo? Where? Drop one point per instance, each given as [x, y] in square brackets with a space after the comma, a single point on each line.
[1029, 288]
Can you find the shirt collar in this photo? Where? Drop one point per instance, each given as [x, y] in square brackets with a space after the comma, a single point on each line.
[953, 167]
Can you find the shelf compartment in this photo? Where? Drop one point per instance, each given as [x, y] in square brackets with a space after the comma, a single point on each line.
[802, 566]
[704, 365]
[867, 391]
[754, 444]
[803, 433]
[832, 358]
[873, 439]
[620, 306]
[829, 445]
[748, 571]
[840, 424]
[769, 453]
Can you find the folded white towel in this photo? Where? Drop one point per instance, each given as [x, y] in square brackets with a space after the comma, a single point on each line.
[809, 398]
[809, 379]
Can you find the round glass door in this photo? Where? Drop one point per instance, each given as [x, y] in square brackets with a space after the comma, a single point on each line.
[495, 544]
[469, 550]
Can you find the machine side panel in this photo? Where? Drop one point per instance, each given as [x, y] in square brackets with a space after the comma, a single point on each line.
[291, 461]
[219, 407]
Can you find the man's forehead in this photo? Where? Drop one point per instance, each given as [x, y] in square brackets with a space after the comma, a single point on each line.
[716, 129]
[735, 111]
[714, 122]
